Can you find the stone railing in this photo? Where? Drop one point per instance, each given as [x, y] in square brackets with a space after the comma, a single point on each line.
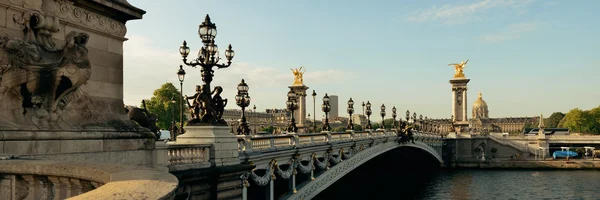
[182, 156]
[248, 143]
[44, 179]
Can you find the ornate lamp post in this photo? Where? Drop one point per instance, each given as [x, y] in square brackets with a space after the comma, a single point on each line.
[242, 99]
[208, 57]
[314, 95]
[427, 125]
[350, 111]
[173, 128]
[414, 118]
[407, 116]
[181, 76]
[382, 116]
[421, 126]
[394, 117]
[326, 107]
[363, 107]
[368, 112]
[291, 105]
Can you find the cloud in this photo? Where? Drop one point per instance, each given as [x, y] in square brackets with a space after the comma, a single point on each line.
[510, 32]
[147, 67]
[451, 14]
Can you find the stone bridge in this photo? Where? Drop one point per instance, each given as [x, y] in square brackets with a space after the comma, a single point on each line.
[288, 166]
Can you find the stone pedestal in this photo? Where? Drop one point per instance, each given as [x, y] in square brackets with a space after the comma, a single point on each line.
[224, 149]
[300, 113]
[459, 103]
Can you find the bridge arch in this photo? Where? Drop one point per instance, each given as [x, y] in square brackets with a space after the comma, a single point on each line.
[329, 177]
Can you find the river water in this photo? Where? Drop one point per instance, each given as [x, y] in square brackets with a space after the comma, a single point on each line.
[477, 184]
[402, 174]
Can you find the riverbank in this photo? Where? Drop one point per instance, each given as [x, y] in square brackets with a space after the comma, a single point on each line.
[577, 164]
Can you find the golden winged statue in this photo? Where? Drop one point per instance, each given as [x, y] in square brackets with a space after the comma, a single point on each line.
[298, 72]
[458, 69]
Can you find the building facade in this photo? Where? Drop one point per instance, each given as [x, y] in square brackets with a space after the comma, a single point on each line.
[480, 121]
[334, 102]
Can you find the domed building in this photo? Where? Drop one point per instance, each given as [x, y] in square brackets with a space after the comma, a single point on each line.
[480, 108]
[482, 123]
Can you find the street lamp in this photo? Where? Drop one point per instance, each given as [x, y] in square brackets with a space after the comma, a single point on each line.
[208, 57]
[314, 95]
[363, 107]
[382, 116]
[394, 117]
[414, 118]
[350, 111]
[326, 107]
[181, 76]
[407, 116]
[420, 122]
[291, 105]
[369, 126]
[173, 127]
[427, 125]
[242, 99]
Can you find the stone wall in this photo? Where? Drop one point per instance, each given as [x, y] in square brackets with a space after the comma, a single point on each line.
[105, 29]
[61, 82]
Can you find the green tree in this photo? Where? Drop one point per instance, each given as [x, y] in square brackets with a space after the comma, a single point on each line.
[160, 104]
[339, 129]
[357, 127]
[595, 120]
[268, 129]
[554, 119]
[578, 120]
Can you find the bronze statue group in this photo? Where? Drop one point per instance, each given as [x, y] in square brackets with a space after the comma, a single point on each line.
[206, 109]
[405, 134]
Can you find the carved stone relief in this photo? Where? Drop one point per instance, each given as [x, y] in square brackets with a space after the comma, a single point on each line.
[40, 81]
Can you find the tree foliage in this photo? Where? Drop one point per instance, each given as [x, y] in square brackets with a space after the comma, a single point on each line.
[582, 121]
[554, 120]
[160, 104]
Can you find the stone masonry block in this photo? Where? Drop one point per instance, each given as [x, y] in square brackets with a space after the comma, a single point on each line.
[95, 41]
[105, 58]
[115, 46]
[99, 73]
[122, 144]
[103, 89]
[19, 147]
[114, 75]
[3, 16]
[47, 147]
[83, 146]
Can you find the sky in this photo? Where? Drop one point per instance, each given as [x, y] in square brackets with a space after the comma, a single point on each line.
[527, 57]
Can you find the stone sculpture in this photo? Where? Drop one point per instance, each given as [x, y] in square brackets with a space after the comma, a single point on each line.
[40, 82]
[145, 119]
[207, 110]
[458, 69]
[298, 80]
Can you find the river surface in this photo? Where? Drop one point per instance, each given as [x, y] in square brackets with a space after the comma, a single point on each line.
[477, 184]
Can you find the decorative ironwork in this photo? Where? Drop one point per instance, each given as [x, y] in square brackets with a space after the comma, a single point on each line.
[368, 112]
[292, 105]
[326, 107]
[242, 99]
[350, 111]
[207, 110]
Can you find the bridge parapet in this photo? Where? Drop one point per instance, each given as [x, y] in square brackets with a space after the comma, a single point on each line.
[45, 179]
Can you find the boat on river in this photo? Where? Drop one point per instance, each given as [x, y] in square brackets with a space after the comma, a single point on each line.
[563, 154]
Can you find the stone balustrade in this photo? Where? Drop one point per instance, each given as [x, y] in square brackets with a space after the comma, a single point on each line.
[260, 143]
[44, 179]
[182, 156]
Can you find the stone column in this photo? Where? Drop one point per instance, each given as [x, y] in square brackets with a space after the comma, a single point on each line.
[300, 113]
[459, 103]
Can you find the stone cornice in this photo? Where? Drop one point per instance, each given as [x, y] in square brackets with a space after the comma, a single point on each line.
[119, 10]
[103, 16]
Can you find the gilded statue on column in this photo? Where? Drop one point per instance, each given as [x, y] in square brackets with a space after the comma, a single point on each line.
[298, 73]
[458, 69]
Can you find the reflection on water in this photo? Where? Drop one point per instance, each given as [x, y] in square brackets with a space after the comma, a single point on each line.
[504, 184]
[466, 184]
